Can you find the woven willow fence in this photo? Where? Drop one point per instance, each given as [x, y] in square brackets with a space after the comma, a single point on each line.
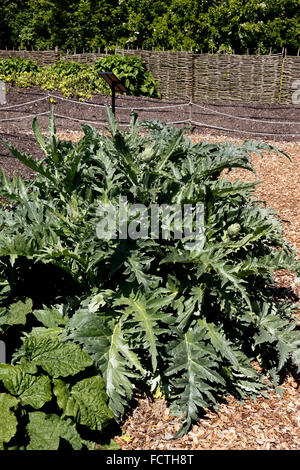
[222, 77]
[41, 57]
[204, 77]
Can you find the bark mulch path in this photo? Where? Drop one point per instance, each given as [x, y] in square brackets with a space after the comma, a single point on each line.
[267, 423]
[264, 424]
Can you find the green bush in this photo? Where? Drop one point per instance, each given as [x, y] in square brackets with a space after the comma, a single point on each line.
[220, 25]
[80, 80]
[72, 79]
[19, 71]
[132, 72]
[184, 316]
[17, 65]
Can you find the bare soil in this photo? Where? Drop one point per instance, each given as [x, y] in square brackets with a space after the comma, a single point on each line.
[253, 121]
[271, 424]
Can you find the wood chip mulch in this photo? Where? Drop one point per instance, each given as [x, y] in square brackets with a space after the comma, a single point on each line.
[267, 423]
[264, 424]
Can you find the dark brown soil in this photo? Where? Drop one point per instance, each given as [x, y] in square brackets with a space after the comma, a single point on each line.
[19, 132]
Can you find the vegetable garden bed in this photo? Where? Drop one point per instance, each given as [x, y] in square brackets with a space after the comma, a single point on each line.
[264, 424]
[267, 424]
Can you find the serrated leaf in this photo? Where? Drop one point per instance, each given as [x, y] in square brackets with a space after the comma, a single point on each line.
[105, 341]
[280, 331]
[228, 275]
[137, 266]
[191, 307]
[172, 145]
[219, 342]
[193, 370]
[139, 312]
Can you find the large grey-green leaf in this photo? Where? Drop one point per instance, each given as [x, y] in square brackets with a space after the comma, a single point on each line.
[173, 144]
[280, 331]
[143, 314]
[219, 342]
[193, 368]
[104, 340]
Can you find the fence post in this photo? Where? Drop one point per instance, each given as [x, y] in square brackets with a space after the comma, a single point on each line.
[281, 78]
[190, 111]
[2, 352]
[2, 92]
[193, 77]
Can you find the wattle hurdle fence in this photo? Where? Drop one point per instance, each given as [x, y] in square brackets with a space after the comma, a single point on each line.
[206, 77]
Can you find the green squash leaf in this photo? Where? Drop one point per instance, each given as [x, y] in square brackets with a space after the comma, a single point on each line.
[86, 401]
[44, 348]
[30, 390]
[17, 313]
[46, 430]
[50, 317]
[8, 421]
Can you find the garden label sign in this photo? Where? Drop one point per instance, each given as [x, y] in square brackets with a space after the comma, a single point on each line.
[2, 93]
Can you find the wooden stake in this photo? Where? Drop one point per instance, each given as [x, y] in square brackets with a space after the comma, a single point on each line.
[190, 111]
[2, 92]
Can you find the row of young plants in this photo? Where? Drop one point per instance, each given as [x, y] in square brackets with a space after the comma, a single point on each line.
[90, 321]
[80, 80]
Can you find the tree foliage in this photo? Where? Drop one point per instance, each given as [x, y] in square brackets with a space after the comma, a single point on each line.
[218, 26]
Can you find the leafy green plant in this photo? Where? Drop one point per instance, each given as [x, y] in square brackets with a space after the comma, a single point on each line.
[220, 26]
[19, 71]
[17, 65]
[44, 402]
[161, 313]
[132, 72]
[81, 80]
[51, 395]
[71, 78]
